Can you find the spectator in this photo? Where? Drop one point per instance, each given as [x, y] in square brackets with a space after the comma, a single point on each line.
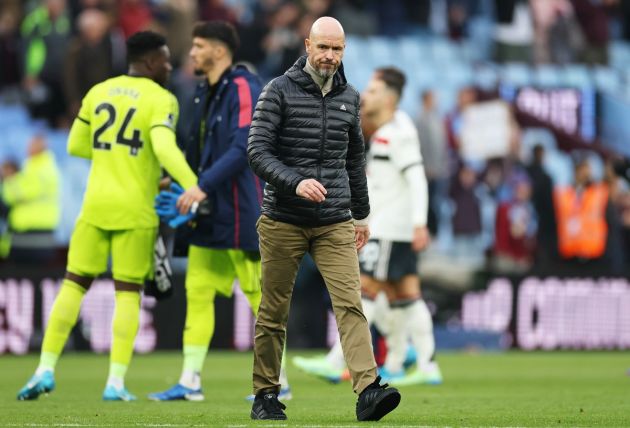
[433, 145]
[45, 32]
[584, 217]
[466, 221]
[134, 16]
[542, 199]
[95, 55]
[8, 169]
[514, 32]
[515, 229]
[9, 48]
[216, 10]
[32, 196]
[593, 18]
[558, 37]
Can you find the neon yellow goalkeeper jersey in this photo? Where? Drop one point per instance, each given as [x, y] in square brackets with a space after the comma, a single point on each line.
[120, 127]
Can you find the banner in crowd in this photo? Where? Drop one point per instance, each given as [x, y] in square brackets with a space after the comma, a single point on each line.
[553, 313]
[27, 296]
[529, 313]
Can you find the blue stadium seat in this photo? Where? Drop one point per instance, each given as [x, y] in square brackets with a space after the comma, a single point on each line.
[486, 77]
[13, 115]
[382, 51]
[606, 79]
[517, 74]
[458, 74]
[444, 51]
[547, 76]
[576, 76]
[559, 166]
[413, 50]
[619, 54]
[355, 49]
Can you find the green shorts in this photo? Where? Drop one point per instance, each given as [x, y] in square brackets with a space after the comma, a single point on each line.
[218, 268]
[131, 251]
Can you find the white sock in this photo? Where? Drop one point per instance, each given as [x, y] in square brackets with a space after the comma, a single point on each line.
[420, 329]
[190, 379]
[41, 370]
[116, 381]
[369, 310]
[381, 314]
[396, 341]
[284, 381]
[335, 356]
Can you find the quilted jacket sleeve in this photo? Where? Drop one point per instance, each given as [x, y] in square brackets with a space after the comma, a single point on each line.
[262, 145]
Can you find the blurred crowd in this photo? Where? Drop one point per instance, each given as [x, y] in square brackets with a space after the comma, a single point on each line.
[507, 214]
[506, 209]
[54, 50]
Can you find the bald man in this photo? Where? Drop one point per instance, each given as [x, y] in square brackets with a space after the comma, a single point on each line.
[305, 141]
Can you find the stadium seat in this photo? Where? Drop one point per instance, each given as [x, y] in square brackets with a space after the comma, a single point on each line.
[619, 54]
[382, 52]
[13, 115]
[516, 74]
[547, 76]
[486, 76]
[576, 76]
[606, 79]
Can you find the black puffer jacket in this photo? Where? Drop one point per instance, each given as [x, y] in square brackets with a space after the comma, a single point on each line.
[296, 134]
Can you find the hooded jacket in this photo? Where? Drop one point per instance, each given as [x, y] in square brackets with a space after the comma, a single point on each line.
[297, 134]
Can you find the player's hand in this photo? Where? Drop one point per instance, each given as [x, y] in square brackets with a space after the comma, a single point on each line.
[361, 236]
[312, 190]
[194, 195]
[421, 238]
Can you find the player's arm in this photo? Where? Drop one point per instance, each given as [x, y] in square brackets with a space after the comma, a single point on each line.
[234, 160]
[163, 141]
[170, 157]
[80, 138]
[406, 156]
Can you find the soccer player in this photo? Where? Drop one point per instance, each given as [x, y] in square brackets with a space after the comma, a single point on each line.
[398, 191]
[223, 245]
[126, 127]
[399, 201]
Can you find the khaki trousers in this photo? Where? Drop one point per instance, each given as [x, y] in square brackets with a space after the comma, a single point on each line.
[333, 249]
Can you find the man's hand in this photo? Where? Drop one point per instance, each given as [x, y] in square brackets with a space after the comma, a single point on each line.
[361, 236]
[188, 198]
[421, 238]
[312, 190]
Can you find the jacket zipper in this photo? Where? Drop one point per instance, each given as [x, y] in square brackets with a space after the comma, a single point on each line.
[321, 150]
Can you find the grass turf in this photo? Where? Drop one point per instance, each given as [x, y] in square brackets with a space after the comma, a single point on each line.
[511, 389]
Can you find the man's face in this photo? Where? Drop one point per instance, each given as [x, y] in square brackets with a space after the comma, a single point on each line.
[203, 54]
[374, 96]
[161, 65]
[325, 53]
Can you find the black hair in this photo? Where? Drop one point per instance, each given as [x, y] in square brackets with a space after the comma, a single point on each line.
[393, 77]
[141, 43]
[218, 30]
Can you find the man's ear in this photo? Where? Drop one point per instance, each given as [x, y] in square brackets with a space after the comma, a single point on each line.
[307, 45]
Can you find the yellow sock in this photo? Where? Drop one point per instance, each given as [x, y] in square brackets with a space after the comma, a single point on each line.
[63, 317]
[124, 328]
[199, 325]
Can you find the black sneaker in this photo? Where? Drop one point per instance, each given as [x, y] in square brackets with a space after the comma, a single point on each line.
[267, 406]
[376, 401]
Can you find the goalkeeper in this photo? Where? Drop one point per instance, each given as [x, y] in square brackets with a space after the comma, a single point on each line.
[126, 127]
[222, 245]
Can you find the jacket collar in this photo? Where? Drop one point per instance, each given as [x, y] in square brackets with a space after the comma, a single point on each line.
[302, 78]
[233, 71]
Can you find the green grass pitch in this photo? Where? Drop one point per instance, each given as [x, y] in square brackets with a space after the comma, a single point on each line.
[511, 389]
